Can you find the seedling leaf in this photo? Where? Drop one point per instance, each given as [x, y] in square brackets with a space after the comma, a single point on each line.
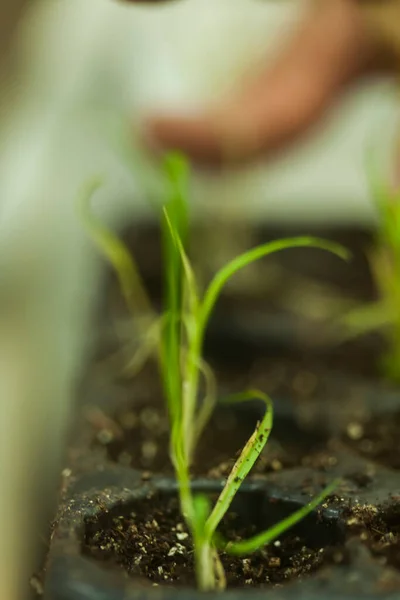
[115, 252]
[246, 547]
[246, 460]
[224, 274]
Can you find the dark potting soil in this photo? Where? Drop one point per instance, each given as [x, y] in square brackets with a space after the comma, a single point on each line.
[379, 530]
[146, 446]
[153, 545]
[323, 413]
[138, 436]
[378, 439]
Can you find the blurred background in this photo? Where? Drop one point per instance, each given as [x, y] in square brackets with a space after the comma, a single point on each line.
[77, 79]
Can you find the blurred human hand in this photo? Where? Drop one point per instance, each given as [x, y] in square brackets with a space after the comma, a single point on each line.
[333, 47]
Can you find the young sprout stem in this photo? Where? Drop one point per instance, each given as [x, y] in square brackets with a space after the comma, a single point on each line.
[190, 396]
[208, 403]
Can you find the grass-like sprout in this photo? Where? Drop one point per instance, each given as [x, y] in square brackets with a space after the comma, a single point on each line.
[384, 258]
[181, 334]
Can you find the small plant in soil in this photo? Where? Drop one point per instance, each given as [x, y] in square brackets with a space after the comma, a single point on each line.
[175, 338]
[384, 314]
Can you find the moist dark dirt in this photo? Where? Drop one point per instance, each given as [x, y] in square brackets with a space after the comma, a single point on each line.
[379, 530]
[378, 439]
[144, 444]
[153, 544]
[137, 433]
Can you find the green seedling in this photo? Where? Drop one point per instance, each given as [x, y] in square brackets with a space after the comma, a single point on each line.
[384, 314]
[178, 347]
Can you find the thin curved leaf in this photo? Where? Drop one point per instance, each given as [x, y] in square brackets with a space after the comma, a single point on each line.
[191, 283]
[115, 251]
[246, 460]
[364, 319]
[208, 403]
[246, 547]
[147, 347]
[220, 279]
